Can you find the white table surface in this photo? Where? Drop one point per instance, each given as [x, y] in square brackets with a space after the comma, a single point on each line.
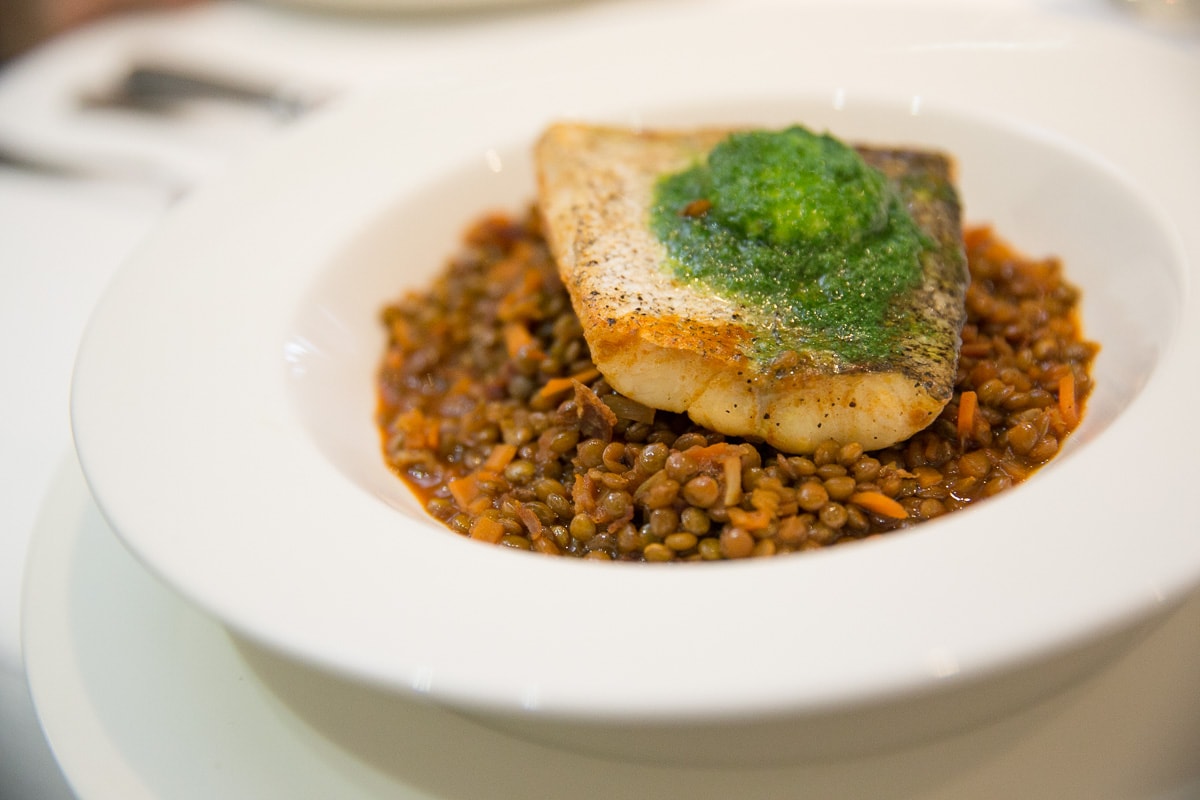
[62, 237]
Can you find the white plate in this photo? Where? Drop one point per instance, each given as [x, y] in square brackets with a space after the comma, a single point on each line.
[222, 400]
[143, 697]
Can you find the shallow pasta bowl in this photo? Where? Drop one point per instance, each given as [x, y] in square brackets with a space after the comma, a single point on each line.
[223, 402]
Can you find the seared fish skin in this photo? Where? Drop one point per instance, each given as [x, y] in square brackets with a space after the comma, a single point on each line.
[677, 346]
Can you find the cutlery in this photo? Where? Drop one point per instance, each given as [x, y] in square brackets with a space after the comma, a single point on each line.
[162, 88]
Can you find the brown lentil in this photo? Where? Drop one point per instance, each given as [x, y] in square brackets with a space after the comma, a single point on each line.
[493, 413]
[681, 541]
[702, 491]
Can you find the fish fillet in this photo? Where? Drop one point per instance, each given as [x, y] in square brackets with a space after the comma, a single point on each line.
[678, 346]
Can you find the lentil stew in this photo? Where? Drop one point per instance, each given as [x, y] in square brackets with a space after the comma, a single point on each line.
[490, 409]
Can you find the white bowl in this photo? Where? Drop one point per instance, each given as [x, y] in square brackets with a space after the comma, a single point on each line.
[223, 401]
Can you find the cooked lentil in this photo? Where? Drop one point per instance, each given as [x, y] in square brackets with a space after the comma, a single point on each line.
[491, 410]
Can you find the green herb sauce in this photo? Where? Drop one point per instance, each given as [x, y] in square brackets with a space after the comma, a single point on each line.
[798, 224]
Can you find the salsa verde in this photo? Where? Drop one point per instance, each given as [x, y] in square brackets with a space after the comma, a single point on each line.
[800, 225]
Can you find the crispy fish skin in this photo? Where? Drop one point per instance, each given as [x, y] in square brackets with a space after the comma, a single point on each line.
[680, 347]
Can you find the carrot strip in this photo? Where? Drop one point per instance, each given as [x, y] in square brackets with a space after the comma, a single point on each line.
[516, 337]
[587, 375]
[463, 386]
[486, 529]
[713, 453]
[879, 503]
[500, 457]
[414, 426]
[976, 235]
[479, 505]
[531, 284]
[555, 386]
[463, 490]
[967, 404]
[433, 433]
[749, 520]
[1066, 400]
[764, 500]
[504, 271]
[393, 361]
[401, 333]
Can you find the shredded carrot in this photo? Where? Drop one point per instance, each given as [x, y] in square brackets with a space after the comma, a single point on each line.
[500, 457]
[479, 505]
[1066, 400]
[879, 503]
[587, 375]
[517, 337]
[713, 453]
[764, 500]
[967, 404]
[486, 529]
[414, 425]
[531, 284]
[557, 386]
[505, 270]
[976, 235]
[464, 490]
[749, 520]
[401, 332]
[393, 361]
[522, 301]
